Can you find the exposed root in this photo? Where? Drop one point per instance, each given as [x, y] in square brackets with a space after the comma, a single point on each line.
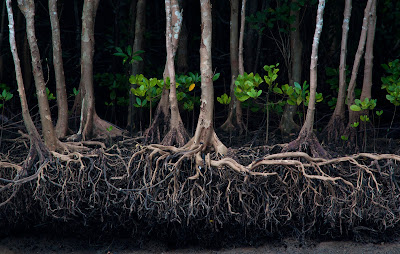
[158, 185]
[305, 142]
[334, 129]
[160, 124]
[176, 135]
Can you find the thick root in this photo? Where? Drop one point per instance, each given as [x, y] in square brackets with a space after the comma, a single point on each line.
[306, 142]
[334, 129]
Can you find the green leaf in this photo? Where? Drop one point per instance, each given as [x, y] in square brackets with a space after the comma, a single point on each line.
[216, 76]
[137, 58]
[277, 90]
[299, 100]
[355, 108]
[139, 101]
[120, 54]
[129, 50]
[113, 95]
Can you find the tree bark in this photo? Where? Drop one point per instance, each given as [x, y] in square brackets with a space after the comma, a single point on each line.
[306, 136]
[35, 140]
[62, 121]
[287, 124]
[90, 124]
[137, 66]
[353, 117]
[3, 14]
[162, 115]
[182, 65]
[250, 62]
[235, 110]
[369, 54]
[205, 134]
[28, 9]
[177, 133]
[336, 124]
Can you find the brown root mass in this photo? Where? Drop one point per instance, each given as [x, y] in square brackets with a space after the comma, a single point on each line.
[128, 185]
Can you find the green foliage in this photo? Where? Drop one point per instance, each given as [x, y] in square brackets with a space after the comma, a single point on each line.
[344, 138]
[146, 89]
[280, 14]
[224, 99]
[379, 113]
[299, 94]
[109, 128]
[367, 104]
[128, 56]
[272, 74]
[364, 118]
[5, 95]
[75, 92]
[246, 86]
[392, 82]
[355, 124]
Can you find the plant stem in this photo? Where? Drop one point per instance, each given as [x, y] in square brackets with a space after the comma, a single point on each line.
[391, 123]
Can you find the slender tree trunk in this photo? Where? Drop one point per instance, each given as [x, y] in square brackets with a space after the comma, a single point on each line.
[336, 124]
[287, 124]
[235, 110]
[137, 66]
[3, 14]
[62, 121]
[28, 9]
[369, 54]
[90, 125]
[182, 65]
[35, 140]
[250, 62]
[353, 117]
[306, 136]
[162, 115]
[205, 134]
[177, 133]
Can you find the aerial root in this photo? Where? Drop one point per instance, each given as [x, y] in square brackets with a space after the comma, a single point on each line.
[165, 184]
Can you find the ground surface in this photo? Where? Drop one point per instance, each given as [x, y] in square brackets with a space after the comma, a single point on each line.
[43, 245]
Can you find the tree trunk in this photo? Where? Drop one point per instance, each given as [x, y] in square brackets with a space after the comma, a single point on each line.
[235, 110]
[177, 133]
[287, 124]
[90, 125]
[182, 65]
[336, 124]
[3, 14]
[205, 134]
[35, 141]
[137, 66]
[307, 137]
[250, 50]
[353, 116]
[369, 54]
[162, 115]
[28, 9]
[62, 121]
